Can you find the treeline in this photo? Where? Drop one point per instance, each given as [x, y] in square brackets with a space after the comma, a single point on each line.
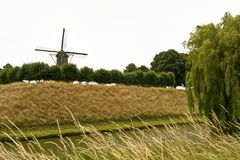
[69, 72]
[166, 61]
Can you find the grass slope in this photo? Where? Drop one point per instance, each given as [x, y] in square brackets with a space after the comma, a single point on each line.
[43, 104]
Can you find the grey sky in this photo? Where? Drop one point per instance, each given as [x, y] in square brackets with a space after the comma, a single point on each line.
[113, 32]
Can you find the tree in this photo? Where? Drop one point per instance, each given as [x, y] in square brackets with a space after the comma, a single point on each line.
[9, 74]
[54, 73]
[143, 68]
[12, 74]
[151, 78]
[130, 67]
[139, 79]
[33, 71]
[129, 78]
[166, 79]
[102, 76]
[3, 76]
[86, 74]
[117, 76]
[7, 66]
[70, 72]
[171, 61]
[213, 82]
[134, 78]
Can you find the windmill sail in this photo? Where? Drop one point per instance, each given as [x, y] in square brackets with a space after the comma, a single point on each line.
[62, 56]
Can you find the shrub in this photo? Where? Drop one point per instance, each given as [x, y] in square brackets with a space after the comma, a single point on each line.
[166, 79]
[117, 76]
[54, 73]
[151, 78]
[33, 71]
[139, 79]
[143, 68]
[171, 80]
[130, 68]
[12, 74]
[102, 76]
[3, 76]
[129, 78]
[70, 72]
[86, 74]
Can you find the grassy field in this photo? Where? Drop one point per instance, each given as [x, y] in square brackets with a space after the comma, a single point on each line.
[34, 105]
[43, 104]
[195, 141]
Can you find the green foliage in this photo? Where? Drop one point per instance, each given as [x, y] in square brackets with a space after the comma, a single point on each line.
[140, 78]
[166, 79]
[134, 78]
[70, 72]
[151, 78]
[171, 79]
[102, 76]
[130, 68]
[129, 78]
[13, 74]
[54, 73]
[143, 68]
[171, 61]
[33, 71]
[7, 66]
[86, 74]
[3, 76]
[214, 80]
[9, 74]
[117, 76]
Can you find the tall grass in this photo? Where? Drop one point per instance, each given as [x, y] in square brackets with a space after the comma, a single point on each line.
[195, 141]
[42, 104]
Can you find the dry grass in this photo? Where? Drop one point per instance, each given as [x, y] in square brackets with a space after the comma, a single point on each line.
[174, 143]
[43, 104]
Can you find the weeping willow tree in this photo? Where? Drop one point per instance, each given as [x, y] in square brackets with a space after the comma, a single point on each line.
[213, 79]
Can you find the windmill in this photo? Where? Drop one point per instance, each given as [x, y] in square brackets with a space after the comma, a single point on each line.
[62, 56]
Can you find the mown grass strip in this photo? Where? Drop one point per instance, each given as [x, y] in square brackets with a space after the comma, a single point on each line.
[108, 127]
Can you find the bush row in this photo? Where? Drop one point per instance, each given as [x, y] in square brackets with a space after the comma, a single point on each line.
[69, 72]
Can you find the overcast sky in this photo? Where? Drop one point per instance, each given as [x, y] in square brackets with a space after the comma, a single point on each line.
[113, 32]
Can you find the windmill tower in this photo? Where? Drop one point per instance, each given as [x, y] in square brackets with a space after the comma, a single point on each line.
[62, 56]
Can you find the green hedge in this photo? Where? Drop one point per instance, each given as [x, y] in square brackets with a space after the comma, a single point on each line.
[70, 72]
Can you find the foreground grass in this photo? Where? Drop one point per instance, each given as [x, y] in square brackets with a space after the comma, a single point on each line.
[188, 142]
[70, 130]
[43, 104]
